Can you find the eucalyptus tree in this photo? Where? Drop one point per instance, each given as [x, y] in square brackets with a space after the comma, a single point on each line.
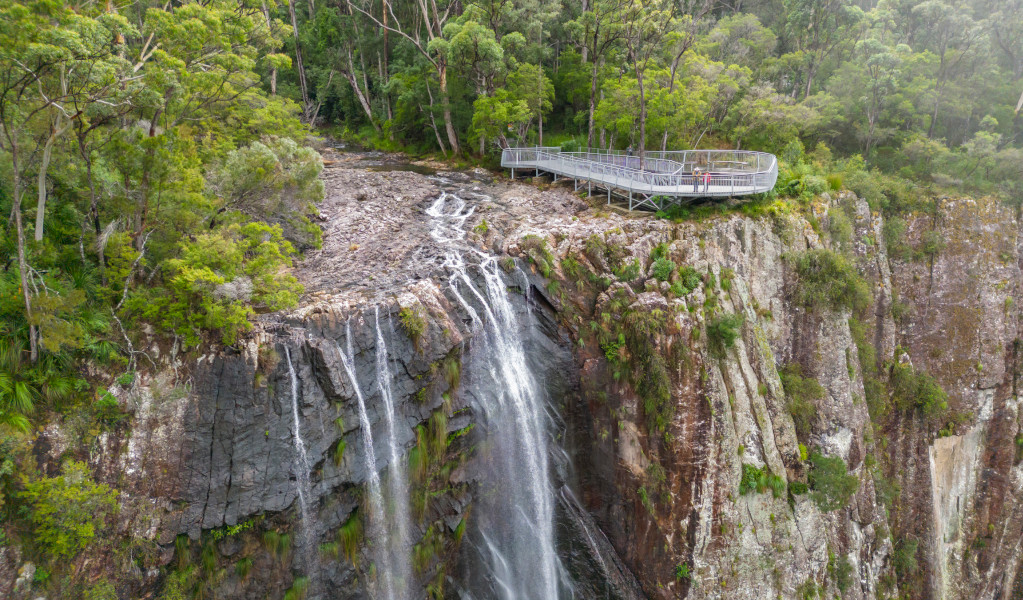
[599, 29]
[55, 63]
[422, 25]
[882, 70]
[647, 24]
[814, 30]
[953, 36]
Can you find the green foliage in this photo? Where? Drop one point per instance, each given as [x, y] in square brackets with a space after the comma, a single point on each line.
[539, 254]
[413, 322]
[904, 558]
[682, 572]
[807, 590]
[101, 590]
[827, 281]
[832, 487]
[801, 394]
[628, 271]
[67, 511]
[350, 536]
[218, 280]
[841, 229]
[841, 571]
[299, 588]
[338, 453]
[663, 269]
[722, 333]
[243, 567]
[912, 389]
[689, 278]
[759, 480]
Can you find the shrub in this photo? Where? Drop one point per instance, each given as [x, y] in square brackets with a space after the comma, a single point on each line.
[840, 228]
[814, 185]
[682, 572]
[722, 333]
[904, 558]
[750, 475]
[690, 277]
[755, 479]
[912, 389]
[828, 281]
[931, 243]
[842, 571]
[866, 186]
[67, 510]
[831, 483]
[801, 393]
[894, 232]
[413, 322]
[798, 488]
[834, 182]
[663, 268]
[219, 279]
[628, 271]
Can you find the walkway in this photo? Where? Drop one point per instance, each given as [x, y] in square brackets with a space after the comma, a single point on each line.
[660, 179]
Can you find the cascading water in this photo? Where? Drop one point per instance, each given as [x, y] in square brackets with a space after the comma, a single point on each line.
[397, 488]
[378, 520]
[517, 523]
[302, 459]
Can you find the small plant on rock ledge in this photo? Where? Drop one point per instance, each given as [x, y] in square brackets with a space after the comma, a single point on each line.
[414, 323]
[801, 394]
[831, 484]
[722, 333]
[682, 572]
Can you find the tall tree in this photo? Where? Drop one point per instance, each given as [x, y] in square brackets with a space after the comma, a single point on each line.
[424, 29]
[815, 28]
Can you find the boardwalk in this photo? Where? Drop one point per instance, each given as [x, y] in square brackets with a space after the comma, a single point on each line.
[659, 179]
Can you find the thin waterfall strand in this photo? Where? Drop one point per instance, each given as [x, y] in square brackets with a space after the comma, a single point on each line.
[378, 521]
[302, 459]
[397, 489]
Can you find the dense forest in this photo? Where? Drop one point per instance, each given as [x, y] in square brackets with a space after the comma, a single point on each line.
[159, 172]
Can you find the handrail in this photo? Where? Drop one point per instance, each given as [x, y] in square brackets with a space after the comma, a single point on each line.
[671, 173]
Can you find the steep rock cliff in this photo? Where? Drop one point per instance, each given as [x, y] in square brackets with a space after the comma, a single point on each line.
[658, 427]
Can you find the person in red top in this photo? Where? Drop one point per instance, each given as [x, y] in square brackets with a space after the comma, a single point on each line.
[706, 181]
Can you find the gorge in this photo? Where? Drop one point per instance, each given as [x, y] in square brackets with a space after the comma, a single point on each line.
[492, 389]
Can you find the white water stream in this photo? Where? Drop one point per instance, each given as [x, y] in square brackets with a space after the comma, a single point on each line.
[518, 523]
[378, 525]
[302, 466]
[397, 492]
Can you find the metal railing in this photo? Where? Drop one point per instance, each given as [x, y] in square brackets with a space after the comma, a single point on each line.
[672, 173]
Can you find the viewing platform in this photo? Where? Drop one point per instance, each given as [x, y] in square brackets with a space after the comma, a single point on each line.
[659, 178]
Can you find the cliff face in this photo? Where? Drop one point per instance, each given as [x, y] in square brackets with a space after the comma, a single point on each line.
[677, 468]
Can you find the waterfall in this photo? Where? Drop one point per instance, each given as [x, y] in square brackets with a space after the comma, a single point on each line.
[302, 462]
[397, 489]
[518, 520]
[378, 520]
